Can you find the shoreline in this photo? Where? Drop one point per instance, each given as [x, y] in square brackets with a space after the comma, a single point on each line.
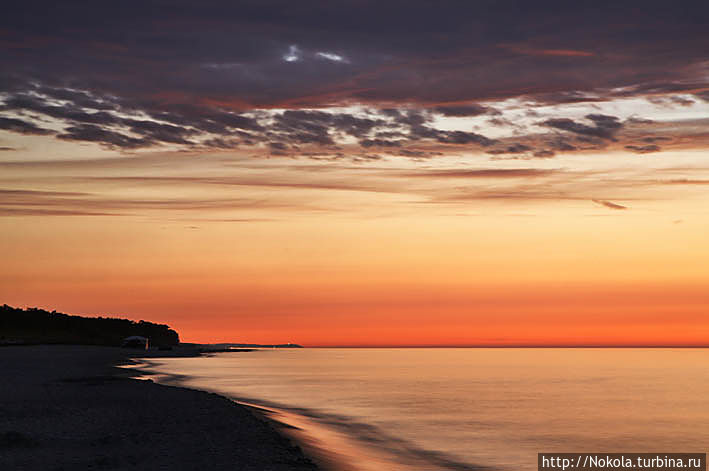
[78, 407]
[335, 443]
[297, 428]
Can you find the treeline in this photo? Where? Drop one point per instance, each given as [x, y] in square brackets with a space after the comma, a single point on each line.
[35, 325]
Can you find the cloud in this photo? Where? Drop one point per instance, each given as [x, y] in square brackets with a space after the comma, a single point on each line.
[5, 211]
[22, 127]
[610, 204]
[562, 145]
[79, 98]
[173, 124]
[544, 153]
[566, 53]
[423, 58]
[220, 188]
[567, 97]
[379, 143]
[130, 125]
[293, 54]
[463, 110]
[8, 195]
[229, 76]
[331, 56]
[93, 133]
[205, 118]
[654, 139]
[463, 137]
[319, 127]
[220, 143]
[522, 49]
[298, 183]
[418, 154]
[69, 111]
[603, 126]
[31, 202]
[644, 149]
[153, 131]
[512, 194]
[277, 146]
[483, 173]
[685, 181]
[671, 101]
[515, 148]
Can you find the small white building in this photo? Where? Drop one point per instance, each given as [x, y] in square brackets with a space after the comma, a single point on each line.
[136, 341]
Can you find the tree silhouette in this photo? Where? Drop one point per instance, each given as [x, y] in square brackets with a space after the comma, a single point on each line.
[34, 325]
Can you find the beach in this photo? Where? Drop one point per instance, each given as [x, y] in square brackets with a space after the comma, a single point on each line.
[65, 407]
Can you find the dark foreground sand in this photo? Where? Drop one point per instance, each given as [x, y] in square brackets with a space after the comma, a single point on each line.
[66, 408]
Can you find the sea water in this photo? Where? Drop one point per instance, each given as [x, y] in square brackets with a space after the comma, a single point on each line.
[468, 408]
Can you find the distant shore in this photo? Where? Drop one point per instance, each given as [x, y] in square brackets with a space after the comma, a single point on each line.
[67, 407]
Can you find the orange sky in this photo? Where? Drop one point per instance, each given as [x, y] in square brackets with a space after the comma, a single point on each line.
[252, 250]
[361, 173]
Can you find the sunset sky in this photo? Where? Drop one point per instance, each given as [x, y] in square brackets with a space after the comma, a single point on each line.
[361, 173]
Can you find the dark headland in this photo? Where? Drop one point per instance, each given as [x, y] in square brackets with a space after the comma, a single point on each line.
[69, 407]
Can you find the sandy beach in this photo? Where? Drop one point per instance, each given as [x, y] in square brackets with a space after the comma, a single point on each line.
[69, 407]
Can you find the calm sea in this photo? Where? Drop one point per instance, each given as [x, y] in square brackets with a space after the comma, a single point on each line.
[454, 409]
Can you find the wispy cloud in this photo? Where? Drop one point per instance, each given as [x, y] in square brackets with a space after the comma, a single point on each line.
[610, 204]
[483, 173]
[331, 56]
[30, 203]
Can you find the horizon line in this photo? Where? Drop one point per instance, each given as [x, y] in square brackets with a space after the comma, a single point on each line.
[509, 346]
[493, 346]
